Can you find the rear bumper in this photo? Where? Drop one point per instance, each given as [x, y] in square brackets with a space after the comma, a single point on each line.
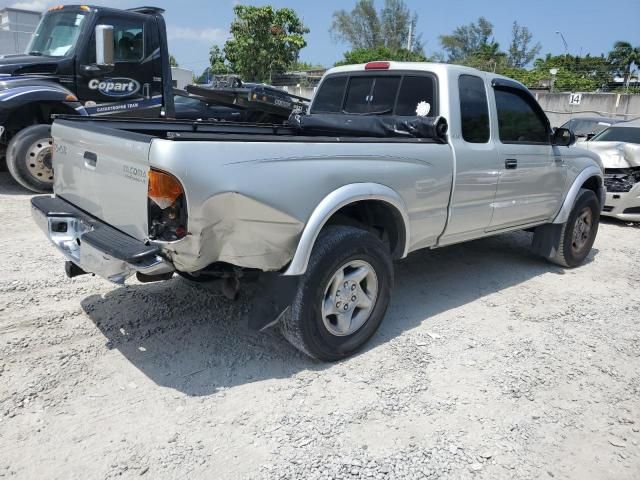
[93, 245]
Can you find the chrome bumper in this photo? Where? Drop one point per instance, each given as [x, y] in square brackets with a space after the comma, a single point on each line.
[94, 246]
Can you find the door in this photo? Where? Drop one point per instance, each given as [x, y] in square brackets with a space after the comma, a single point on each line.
[532, 178]
[477, 167]
[128, 88]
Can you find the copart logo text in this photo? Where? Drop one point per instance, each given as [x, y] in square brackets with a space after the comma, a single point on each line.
[115, 87]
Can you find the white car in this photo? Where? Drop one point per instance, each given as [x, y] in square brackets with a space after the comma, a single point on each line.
[619, 150]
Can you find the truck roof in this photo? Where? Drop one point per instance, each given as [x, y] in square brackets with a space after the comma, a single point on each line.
[420, 66]
[141, 10]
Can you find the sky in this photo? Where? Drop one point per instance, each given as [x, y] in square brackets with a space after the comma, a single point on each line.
[589, 26]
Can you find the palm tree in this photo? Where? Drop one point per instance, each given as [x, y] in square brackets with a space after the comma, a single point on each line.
[487, 57]
[624, 57]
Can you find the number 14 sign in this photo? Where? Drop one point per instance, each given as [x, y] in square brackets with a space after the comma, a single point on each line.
[575, 98]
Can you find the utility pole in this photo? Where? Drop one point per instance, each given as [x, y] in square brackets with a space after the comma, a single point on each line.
[409, 40]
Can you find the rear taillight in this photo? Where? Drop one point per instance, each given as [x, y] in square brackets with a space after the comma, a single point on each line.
[377, 66]
[167, 207]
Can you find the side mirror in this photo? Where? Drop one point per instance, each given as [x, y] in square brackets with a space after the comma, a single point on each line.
[563, 137]
[590, 136]
[104, 45]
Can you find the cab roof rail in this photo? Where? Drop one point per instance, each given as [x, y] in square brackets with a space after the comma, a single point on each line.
[147, 10]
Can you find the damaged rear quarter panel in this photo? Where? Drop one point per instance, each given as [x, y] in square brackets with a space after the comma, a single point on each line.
[248, 202]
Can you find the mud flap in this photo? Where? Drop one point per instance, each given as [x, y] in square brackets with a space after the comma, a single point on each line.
[546, 239]
[274, 294]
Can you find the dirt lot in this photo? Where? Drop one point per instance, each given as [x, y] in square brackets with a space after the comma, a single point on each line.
[490, 364]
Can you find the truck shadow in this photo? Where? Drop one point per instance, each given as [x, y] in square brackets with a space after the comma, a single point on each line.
[618, 222]
[185, 337]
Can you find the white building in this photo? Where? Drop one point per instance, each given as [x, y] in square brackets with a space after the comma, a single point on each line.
[181, 77]
[16, 28]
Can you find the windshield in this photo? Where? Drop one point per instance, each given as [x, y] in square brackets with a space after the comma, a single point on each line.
[56, 34]
[619, 134]
[583, 127]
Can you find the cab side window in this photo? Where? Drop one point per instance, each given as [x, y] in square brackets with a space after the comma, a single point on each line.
[474, 109]
[518, 122]
[128, 40]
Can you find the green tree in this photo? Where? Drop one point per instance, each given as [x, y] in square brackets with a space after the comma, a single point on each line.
[172, 61]
[205, 77]
[360, 27]
[398, 23]
[364, 28]
[304, 66]
[264, 41]
[623, 58]
[574, 74]
[488, 58]
[521, 52]
[364, 55]
[466, 40]
[217, 62]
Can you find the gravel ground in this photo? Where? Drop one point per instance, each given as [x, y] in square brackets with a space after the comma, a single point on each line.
[491, 364]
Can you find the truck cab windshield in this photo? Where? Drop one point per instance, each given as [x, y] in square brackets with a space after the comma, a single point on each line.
[56, 34]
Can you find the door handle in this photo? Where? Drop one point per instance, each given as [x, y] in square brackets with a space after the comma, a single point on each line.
[511, 164]
[90, 159]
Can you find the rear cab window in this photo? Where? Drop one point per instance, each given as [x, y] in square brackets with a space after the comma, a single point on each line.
[390, 93]
[474, 109]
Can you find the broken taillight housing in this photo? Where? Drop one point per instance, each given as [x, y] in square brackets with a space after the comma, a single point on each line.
[167, 207]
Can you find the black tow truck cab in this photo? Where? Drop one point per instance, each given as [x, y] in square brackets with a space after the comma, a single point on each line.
[67, 70]
[100, 61]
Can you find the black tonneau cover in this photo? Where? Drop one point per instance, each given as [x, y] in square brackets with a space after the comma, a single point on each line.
[300, 128]
[383, 126]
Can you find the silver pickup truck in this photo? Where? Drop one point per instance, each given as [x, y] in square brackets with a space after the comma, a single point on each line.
[391, 158]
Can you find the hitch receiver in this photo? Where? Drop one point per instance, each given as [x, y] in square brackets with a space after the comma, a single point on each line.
[72, 270]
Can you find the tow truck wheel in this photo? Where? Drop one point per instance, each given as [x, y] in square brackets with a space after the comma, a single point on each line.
[29, 158]
[343, 296]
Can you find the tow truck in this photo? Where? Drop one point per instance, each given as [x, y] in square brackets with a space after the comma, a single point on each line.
[98, 61]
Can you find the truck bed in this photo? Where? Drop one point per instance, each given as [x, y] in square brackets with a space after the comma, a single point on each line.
[248, 196]
[368, 130]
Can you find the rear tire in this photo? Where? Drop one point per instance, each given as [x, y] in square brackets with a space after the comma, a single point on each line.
[29, 158]
[343, 296]
[579, 232]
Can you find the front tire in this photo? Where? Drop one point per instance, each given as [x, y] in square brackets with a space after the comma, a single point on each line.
[343, 297]
[579, 232]
[29, 158]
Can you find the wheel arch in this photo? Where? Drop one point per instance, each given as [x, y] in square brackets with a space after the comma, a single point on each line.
[349, 202]
[26, 106]
[590, 178]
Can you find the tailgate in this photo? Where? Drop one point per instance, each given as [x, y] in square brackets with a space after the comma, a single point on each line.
[103, 171]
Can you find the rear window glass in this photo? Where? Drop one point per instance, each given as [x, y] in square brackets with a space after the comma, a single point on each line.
[371, 95]
[358, 95]
[376, 95]
[329, 97]
[415, 90]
